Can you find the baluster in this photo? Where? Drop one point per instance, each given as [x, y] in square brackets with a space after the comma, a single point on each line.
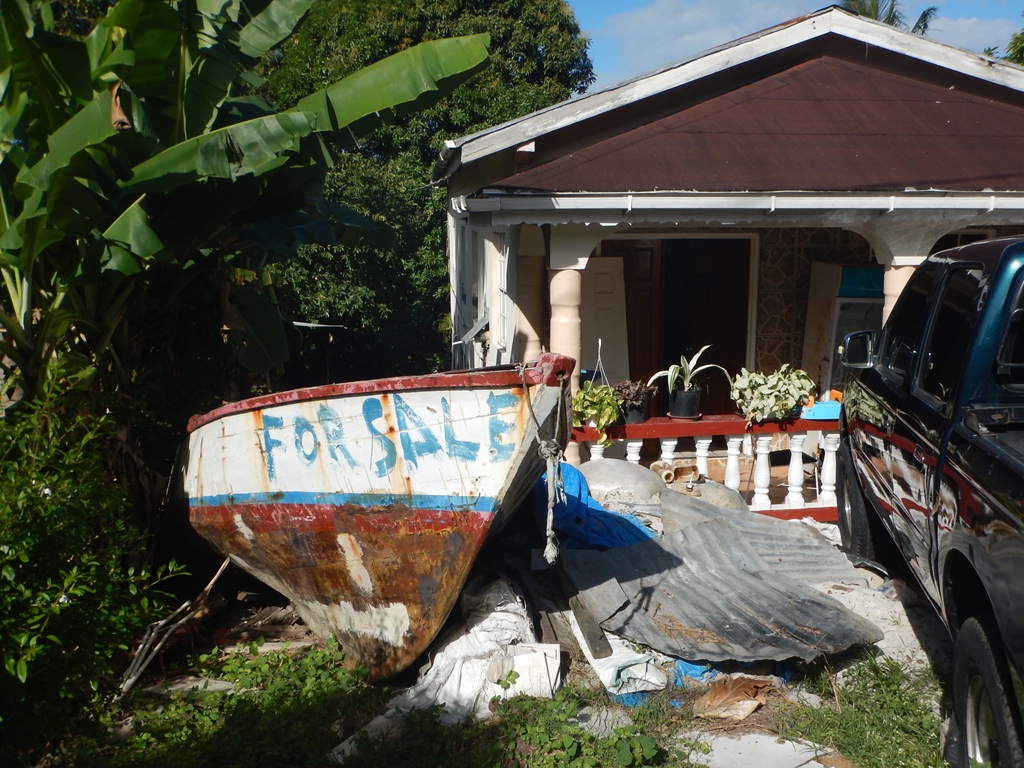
[732, 462]
[795, 497]
[828, 471]
[762, 473]
[668, 449]
[596, 451]
[703, 449]
[633, 450]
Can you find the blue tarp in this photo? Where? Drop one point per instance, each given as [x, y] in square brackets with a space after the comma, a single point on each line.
[580, 522]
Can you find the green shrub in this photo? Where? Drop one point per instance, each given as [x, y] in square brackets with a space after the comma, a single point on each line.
[73, 592]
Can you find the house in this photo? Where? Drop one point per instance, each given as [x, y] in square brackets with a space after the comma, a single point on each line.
[697, 204]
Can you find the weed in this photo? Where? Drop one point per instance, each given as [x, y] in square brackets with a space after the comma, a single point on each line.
[281, 713]
[878, 718]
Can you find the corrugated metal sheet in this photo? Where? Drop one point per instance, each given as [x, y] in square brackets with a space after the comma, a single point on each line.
[789, 548]
[827, 123]
[704, 592]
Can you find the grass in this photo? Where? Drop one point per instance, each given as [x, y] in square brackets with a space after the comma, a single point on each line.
[292, 707]
[880, 715]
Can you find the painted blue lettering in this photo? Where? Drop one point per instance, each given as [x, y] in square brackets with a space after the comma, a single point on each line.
[373, 410]
[270, 443]
[409, 424]
[302, 429]
[502, 451]
[465, 450]
[330, 422]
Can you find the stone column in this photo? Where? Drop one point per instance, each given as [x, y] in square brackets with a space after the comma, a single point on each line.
[895, 280]
[565, 288]
[531, 291]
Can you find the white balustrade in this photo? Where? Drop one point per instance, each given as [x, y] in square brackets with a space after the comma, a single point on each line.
[669, 433]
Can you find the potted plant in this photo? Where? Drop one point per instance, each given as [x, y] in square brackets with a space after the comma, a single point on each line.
[596, 405]
[633, 399]
[778, 395]
[683, 394]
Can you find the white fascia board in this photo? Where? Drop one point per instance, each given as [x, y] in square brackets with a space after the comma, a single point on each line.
[616, 210]
[746, 201]
[834, 20]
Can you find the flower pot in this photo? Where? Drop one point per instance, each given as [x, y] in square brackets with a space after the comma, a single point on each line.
[634, 414]
[684, 404]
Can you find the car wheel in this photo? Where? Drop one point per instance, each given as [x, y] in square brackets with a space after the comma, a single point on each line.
[855, 530]
[989, 730]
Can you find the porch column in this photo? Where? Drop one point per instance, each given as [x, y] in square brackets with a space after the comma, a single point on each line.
[570, 247]
[565, 290]
[531, 292]
[901, 245]
[894, 280]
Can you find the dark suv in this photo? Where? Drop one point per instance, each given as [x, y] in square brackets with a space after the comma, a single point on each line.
[932, 458]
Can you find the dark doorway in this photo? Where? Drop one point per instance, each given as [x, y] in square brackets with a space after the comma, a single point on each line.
[704, 301]
[680, 295]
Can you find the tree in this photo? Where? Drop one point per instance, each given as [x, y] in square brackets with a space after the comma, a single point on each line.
[137, 148]
[889, 12]
[135, 162]
[393, 302]
[1015, 48]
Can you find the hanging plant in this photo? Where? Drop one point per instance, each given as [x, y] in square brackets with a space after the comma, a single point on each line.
[597, 406]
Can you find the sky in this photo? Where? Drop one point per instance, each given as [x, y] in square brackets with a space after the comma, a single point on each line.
[632, 37]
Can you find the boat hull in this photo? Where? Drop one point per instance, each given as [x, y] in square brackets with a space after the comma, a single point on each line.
[366, 504]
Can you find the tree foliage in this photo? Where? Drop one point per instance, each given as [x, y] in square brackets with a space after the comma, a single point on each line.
[73, 590]
[393, 302]
[1015, 48]
[889, 12]
[139, 146]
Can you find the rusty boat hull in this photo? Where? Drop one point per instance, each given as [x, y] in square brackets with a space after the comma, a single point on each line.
[366, 503]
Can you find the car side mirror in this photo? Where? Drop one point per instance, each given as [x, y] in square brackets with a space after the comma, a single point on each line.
[857, 350]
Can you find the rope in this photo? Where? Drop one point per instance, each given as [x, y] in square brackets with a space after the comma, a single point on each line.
[551, 451]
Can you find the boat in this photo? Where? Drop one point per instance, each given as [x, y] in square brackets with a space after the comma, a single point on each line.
[366, 503]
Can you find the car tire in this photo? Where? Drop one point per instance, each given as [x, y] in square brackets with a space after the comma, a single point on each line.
[855, 529]
[988, 728]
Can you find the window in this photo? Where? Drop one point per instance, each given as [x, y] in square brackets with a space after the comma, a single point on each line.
[950, 335]
[902, 332]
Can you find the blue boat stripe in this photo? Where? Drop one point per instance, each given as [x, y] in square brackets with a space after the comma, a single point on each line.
[294, 498]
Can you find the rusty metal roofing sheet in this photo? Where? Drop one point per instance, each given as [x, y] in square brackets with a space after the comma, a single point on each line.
[703, 592]
[790, 548]
[826, 123]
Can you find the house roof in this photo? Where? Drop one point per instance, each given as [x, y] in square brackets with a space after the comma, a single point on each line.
[829, 101]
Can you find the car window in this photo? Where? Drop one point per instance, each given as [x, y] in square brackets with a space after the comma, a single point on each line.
[1010, 361]
[903, 331]
[949, 337]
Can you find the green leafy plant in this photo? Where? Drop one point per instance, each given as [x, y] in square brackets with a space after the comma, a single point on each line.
[597, 406]
[634, 749]
[777, 395]
[288, 707]
[111, 142]
[70, 598]
[682, 376]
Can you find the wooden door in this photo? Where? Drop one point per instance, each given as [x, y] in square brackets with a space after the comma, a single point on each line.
[641, 261]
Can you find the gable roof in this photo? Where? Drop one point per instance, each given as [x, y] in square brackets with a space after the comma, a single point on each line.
[828, 101]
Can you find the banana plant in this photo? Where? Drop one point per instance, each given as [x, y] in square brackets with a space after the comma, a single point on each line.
[140, 145]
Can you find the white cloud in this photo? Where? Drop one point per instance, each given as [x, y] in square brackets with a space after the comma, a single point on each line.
[973, 34]
[667, 31]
